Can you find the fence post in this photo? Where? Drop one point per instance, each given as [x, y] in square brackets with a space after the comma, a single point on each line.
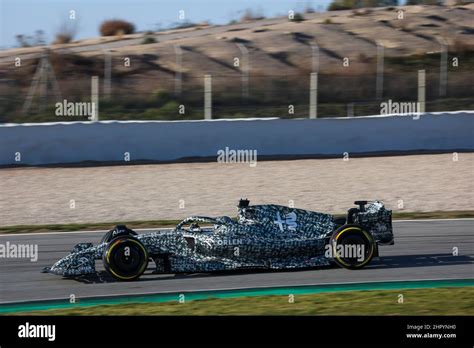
[107, 74]
[379, 80]
[178, 75]
[443, 67]
[313, 96]
[95, 98]
[245, 70]
[421, 90]
[207, 97]
[350, 110]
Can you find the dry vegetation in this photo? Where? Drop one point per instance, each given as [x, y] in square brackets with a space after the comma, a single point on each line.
[116, 27]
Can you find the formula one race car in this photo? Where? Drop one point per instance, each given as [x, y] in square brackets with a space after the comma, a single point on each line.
[263, 237]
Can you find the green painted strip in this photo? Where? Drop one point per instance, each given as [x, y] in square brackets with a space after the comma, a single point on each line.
[200, 295]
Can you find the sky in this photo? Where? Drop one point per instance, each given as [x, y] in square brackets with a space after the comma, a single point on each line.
[27, 16]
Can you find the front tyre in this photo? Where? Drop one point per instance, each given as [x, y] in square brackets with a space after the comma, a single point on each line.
[125, 258]
[352, 247]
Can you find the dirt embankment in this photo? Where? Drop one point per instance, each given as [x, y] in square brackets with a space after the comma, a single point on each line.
[174, 191]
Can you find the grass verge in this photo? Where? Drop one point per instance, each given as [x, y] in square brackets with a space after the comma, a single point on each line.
[438, 301]
[171, 223]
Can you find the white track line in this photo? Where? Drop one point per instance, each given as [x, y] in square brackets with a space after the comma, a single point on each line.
[170, 228]
[45, 124]
[429, 220]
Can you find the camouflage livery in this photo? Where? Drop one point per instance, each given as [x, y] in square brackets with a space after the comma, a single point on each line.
[263, 236]
[378, 221]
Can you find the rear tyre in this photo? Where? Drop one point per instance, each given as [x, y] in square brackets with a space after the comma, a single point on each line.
[125, 258]
[352, 247]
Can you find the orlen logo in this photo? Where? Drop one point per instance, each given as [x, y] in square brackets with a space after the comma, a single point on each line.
[289, 220]
[37, 331]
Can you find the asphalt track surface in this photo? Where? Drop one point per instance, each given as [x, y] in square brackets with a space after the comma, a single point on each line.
[422, 250]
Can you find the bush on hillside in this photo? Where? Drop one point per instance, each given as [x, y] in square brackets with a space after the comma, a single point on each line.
[116, 27]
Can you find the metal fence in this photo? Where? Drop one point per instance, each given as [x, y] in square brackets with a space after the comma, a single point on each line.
[180, 96]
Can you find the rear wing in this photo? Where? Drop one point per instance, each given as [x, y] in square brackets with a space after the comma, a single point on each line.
[377, 220]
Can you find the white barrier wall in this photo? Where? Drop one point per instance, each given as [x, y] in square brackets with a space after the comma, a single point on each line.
[54, 143]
